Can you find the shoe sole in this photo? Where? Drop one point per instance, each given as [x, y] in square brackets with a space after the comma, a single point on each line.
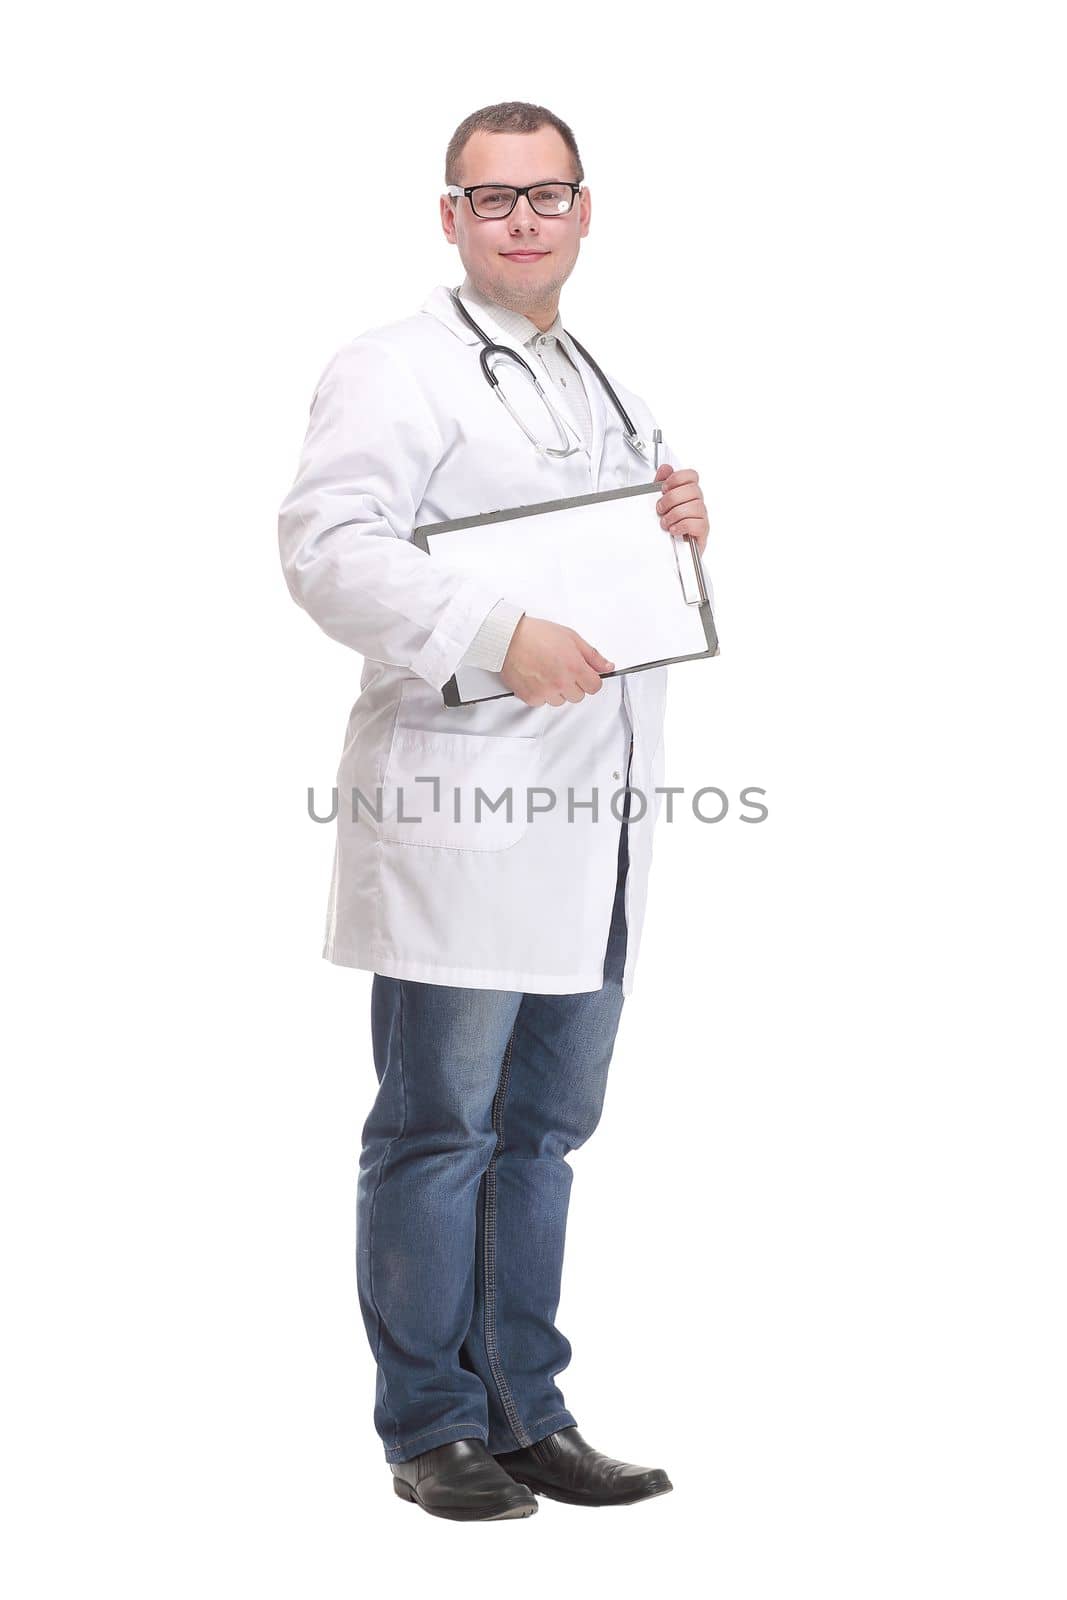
[569, 1499]
[462, 1513]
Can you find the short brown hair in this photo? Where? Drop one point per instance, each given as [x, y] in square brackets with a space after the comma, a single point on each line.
[510, 116]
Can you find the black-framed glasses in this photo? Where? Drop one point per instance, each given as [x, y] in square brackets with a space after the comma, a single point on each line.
[548, 199]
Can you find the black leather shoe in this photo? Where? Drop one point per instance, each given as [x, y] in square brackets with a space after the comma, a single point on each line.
[564, 1467]
[463, 1482]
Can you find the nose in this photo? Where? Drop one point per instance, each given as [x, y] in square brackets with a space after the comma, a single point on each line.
[523, 214]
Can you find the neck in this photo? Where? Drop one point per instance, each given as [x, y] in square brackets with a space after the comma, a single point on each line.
[543, 319]
[542, 315]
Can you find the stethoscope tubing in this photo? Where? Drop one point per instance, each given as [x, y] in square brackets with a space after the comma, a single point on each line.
[489, 349]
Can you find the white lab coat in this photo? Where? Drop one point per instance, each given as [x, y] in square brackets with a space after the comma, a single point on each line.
[404, 430]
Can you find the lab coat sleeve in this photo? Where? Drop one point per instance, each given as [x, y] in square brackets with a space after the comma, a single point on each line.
[344, 528]
[493, 639]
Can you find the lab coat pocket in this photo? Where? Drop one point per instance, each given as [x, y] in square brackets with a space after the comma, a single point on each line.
[458, 791]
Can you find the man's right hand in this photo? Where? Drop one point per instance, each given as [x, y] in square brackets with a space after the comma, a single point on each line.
[548, 664]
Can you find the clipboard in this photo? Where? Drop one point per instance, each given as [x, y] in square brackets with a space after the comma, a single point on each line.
[689, 573]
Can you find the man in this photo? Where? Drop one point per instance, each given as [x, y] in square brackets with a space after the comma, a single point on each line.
[501, 947]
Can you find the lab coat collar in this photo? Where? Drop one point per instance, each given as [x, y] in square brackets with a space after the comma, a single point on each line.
[439, 305]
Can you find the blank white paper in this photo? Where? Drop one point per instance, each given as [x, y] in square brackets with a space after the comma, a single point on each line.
[606, 569]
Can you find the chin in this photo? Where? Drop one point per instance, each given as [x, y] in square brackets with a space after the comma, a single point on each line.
[518, 292]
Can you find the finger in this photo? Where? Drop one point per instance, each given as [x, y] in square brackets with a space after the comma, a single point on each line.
[687, 527]
[588, 681]
[593, 655]
[677, 475]
[679, 495]
[687, 510]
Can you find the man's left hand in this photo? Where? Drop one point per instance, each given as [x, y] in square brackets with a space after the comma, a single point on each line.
[681, 505]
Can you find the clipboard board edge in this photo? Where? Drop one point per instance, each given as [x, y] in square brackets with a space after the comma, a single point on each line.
[450, 690]
[422, 534]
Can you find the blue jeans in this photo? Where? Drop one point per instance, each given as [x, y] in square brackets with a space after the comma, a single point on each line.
[462, 1198]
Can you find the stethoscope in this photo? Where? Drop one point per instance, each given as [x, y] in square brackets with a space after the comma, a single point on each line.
[500, 351]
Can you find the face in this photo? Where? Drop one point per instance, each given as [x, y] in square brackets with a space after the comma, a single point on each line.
[486, 244]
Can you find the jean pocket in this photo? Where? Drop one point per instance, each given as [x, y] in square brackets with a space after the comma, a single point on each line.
[458, 791]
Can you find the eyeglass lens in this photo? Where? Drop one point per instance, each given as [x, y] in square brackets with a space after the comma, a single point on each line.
[549, 200]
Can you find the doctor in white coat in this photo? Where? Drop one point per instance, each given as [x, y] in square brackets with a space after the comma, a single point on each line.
[504, 940]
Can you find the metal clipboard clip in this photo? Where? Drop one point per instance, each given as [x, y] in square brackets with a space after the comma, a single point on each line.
[701, 596]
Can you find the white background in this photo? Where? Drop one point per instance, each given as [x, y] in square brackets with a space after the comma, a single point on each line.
[815, 1261]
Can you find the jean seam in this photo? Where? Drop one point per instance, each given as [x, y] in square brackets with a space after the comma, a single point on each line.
[507, 1399]
[370, 1220]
